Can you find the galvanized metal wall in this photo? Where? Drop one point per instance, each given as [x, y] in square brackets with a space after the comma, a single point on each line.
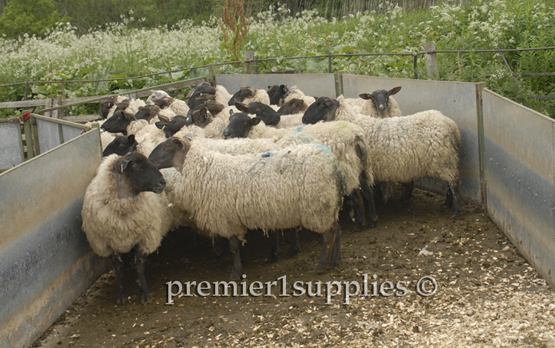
[45, 259]
[10, 148]
[321, 85]
[457, 100]
[520, 178]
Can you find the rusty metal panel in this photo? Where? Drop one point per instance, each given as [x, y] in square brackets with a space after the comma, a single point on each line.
[519, 173]
[48, 135]
[457, 100]
[321, 85]
[45, 259]
[10, 147]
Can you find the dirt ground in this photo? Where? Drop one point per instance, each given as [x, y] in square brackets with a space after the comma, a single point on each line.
[487, 294]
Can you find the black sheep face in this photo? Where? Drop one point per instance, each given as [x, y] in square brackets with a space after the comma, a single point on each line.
[265, 112]
[147, 112]
[380, 99]
[121, 145]
[202, 117]
[173, 126]
[106, 105]
[323, 109]
[139, 173]
[163, 102]
[276, 93]
[242, 94]
[170, 153]
[240, 125]
[118, 122]
[293, 106]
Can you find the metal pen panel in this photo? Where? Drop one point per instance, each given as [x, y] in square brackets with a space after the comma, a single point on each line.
[10, 147]
[45, 259]
[48, 134]
[457, 100]
[519, 173]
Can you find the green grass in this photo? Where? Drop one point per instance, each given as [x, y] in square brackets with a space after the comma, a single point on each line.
[123, 50]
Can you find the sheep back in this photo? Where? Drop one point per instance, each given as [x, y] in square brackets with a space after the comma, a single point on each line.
[294, 186]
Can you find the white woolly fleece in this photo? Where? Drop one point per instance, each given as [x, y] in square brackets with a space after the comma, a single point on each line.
[115, 224]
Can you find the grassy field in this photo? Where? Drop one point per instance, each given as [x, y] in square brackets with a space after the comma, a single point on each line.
[123, 51]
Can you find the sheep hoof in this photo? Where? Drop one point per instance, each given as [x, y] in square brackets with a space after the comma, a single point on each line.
[235, 275]
[320, 269]
[121, 300]
[372, 224]
[293, 252]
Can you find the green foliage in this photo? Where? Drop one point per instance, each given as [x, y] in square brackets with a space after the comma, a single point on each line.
[28, 17]
[125, 48]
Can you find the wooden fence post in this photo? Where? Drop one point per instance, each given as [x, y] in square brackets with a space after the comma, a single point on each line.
[249, 57]
[431, 61]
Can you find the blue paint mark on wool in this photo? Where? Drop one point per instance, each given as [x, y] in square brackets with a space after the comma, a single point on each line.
[323, 148]
[267, 154]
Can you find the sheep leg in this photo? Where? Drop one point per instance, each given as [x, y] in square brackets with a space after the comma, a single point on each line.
[328, 239]
[235, 246]
[295, 244]
[368, 194]
[336, 250]
[119, 266]
[218, 246]
[456, 192]
[406, 191]
[274, 245]
[144, 293]
[448, 199]
[360, 218]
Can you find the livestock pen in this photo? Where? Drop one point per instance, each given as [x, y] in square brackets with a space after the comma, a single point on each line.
[487, 264]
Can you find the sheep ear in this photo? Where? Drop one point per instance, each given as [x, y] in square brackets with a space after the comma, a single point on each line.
[255, 121]
[122, 165]
[131, 138]
[366, 96]
[160, 125]
[284, 88]
[179, 143]
[241, 107]
[328, 102]
[164, 118]
[204, 112]
[394, 90]
[231, 112]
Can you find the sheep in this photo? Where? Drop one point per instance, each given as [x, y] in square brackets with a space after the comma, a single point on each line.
[344, 139]
[123, 122]
[200, 118]
[380, 103]
[403, 149]
[276, 93]
[125, 211]
[178, 106]
[293, 106]
[268, 115]
[247, 95]
[296, 93]
[108, 105]
[227, 194]
[157, 94]
[222, 95]
[120, 145]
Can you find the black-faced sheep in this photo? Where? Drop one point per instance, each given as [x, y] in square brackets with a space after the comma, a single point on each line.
[124, 210]
[286, 188]
[120, 145]
[403, 149]
[344, 139]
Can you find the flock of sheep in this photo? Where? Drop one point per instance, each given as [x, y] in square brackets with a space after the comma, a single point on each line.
[264, 160]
